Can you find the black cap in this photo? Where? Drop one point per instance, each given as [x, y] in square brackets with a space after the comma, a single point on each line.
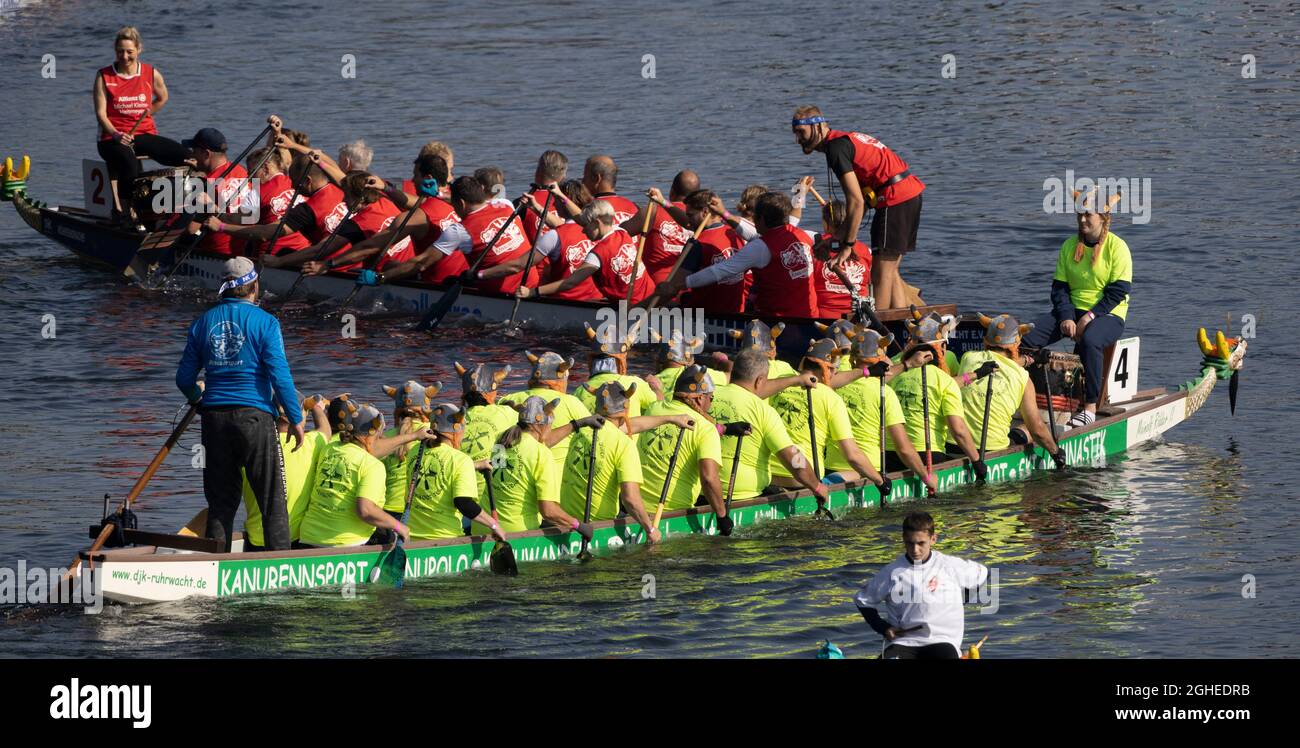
[209, 138]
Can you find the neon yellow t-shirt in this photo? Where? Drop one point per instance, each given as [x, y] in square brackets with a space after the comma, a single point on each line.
[945, 400]
[446, 474]
[829, 418]
[484, 424]
[299, 474]
[668, 378]
[398, 471]
[1087, 280]
[777, 369]
[656, 448]
[345, 473]
[862, 401]
[733, 403]
[527, 476]
[617, 462]
[569, 409]
[641, 399]
[1008, 390]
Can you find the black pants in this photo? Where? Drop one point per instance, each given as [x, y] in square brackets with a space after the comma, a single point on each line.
[940, 651]
[237, 437]
[1100, 333]
[125, 167]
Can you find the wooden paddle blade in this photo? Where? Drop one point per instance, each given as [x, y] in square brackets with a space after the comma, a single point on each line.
[440, 308]
[502, 560]
[390, 571]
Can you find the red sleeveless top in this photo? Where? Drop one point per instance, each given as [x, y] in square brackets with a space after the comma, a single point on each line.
[128, 98]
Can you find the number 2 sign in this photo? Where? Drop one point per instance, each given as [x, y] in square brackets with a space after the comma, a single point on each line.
[97, 188]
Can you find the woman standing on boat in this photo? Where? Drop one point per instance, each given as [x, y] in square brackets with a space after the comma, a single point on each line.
[1090, 290]
[127, 94]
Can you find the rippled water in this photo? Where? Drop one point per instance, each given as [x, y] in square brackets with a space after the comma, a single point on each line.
[1142, 558]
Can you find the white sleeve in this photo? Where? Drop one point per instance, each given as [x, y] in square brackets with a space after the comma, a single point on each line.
[592, 260]
[454, 237]
[967, 573]
[746, 229]
[875, 591]
[753, 255]
[794, 220]
[549, 245]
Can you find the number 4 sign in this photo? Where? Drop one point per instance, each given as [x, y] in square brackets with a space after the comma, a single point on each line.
[1123, 376]
[97, 188]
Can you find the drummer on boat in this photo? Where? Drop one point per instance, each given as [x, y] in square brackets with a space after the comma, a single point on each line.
[127, 95]
[1090, 294]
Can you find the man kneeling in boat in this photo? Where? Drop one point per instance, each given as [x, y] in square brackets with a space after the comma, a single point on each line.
[445, 483]
[348, 497]
[1012, 390]
[923, 591]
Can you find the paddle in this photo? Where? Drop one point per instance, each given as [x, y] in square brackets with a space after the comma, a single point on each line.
[735, 464]
[882, 429]
[325, 247]
[107, 531]
[390, 569]
[192, 240]
[984, 428]
[374, 261]
[528, 266]
[1047, 389]
[584, 554]
[925, 414]
[444, 304]
[822, 511]
[668, 477]
[653, 299]
[502, 558]
[640, 248]
[1232, 391]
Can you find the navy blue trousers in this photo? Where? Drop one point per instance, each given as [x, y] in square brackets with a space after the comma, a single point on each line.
[1101, 332]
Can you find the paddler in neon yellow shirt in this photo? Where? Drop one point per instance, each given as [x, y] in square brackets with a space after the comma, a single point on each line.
[549, 380]
[485, 420]
[445, 489]
[608, 363]
[1090, 294]
[525, 481]
[699, 459]
[1012, 393]
[411, 403]
[675, 355]
[842, 332]
[739, 402]
[299, 473]
[862, 399]
[347, 497]
[929, 335]
[615, 469]
[830, 421]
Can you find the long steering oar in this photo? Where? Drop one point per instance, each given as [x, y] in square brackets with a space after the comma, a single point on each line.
[443, 305]
[191, 241]
[640, 248]
[984, 426]
[379, 257]
[584, 554]
[528, 265]
[107, 531]
[653, 299]
[822, 511]
[502, 558]
[668, 478]
[390, 569]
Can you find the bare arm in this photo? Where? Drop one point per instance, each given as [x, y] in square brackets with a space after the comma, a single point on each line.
[630, 496]
[1037, 427]
[645, 423]
[373, 515]
[711, 486]
[320, 420]
[386, 445]
[159, 93]
[853, 453]
[554, 287]
[773, 386]
[101, 105]
[908, 454]
[957, 425]
[552, 513]
[795, 462]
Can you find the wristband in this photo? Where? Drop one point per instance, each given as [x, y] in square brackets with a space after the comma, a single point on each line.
[478, 274]
[575, 525]
[726, 216]
[866, 372]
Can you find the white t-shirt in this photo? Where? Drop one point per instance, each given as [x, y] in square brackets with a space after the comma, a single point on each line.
[928, 594]
[454, 237]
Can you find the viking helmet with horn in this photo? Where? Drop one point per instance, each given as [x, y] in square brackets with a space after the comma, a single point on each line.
[548, 367]
[841, 331]
[1003, 331]
[360, 419]
[694, 380]
[413, 396]
[678, 349]
[483, 378]
[611, 398]
[447, 418]
[759, 336]
[869, 347]
[536, 411]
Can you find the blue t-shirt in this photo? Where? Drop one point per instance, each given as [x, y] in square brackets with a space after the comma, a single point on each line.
[240, 347]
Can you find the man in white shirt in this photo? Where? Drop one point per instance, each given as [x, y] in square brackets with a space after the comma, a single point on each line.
[923, 591]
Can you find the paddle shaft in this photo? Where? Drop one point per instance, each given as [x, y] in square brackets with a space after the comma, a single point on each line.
[440, 309]
[668, 477]
[681, 257]
[984, 427]
[140, 483]
[379, 256]
[528, 265]
[812, 436]
[591, 476]
[882, 426]
[138, 120]
[325, 247]
[640, 248]
[1051, 410]
[925, 416]
[492, 499]
[735, 467]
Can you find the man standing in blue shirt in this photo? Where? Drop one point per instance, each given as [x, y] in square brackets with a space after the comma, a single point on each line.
[239, 346]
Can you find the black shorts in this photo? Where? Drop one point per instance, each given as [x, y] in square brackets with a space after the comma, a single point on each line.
[893, 229]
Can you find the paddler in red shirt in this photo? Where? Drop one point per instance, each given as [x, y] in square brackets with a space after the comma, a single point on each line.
[127, 94]
[866, 168]
[226, 194]
[600, 177]
[275, 195]
[611, 264]
[667, 237]
[780, 260]
[564, 247]
[482, 219]
[552, 168]
[834, 299]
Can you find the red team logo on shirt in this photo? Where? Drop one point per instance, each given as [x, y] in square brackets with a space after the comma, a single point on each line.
[335, 217]
[675, 237]
[796, 259]
[399, 247]
[578, 252]
[622, 261]
[280, 202]
[855, 272]
[511, 240]
[867, 140]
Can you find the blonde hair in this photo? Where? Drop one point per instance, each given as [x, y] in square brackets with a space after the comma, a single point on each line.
[436, 148]
[130, 34]
[748, 197]
[807, 110]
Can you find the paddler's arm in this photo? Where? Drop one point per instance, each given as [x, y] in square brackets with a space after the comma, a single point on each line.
[1029, 413]
[859, 462]
[957, 425]
[101, 108]
[795, 462]
[560, 433]
[320, 419]
[386, 445]
[295, 259]
[908, 454]
[645, 423]
[711, 487]
[629, 495]
[553, 514]
[855, 207]
[369, 247]
[559, 198]
[738, 224]
[376, 517]
[752, 256]
[470, 510]
[873, 619]
[554, 287]
[800, 198]
[633, 224]
[773, 386]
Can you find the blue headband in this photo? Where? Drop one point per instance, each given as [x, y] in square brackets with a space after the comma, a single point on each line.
[242, 280]
[808, 120]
